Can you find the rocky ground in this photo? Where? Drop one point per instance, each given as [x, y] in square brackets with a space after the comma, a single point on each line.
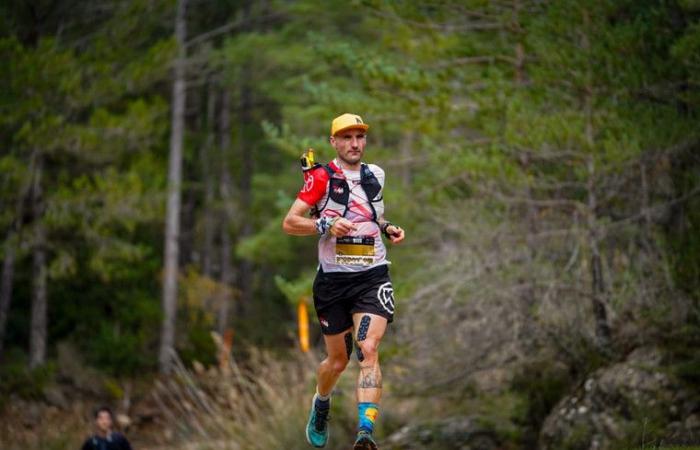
[633, 403]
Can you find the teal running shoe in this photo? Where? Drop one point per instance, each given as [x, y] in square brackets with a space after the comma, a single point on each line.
[364, 441]
[317, 427]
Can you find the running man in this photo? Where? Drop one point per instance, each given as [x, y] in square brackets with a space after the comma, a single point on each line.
[353, 295]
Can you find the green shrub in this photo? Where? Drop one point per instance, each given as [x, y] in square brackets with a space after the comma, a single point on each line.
[681, 345]
[116, 352]
[542, 384]
[17, 379]
[579, 439]
[199, 346]
[645, 429]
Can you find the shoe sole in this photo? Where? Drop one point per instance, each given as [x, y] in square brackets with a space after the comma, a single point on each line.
[306, 431]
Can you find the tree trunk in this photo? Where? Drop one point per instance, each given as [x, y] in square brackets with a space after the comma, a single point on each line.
[11, 243]
[208, 247]
[37, 336]
[245, 122]
[520, 75]
[598, 294]
[172, 220]
[245, 268]
[8, 270]
[527, 303]
[226, 214]
[527, 295]
[598, 291]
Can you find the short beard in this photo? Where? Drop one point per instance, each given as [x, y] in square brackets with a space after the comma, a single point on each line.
[350, 163]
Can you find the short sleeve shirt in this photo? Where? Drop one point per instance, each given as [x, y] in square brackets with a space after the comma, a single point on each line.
[315, 193]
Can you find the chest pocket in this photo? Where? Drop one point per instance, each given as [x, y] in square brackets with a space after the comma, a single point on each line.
[339, 190]
[370, 184]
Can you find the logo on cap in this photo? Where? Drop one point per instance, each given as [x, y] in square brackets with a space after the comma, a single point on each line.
[346, 121]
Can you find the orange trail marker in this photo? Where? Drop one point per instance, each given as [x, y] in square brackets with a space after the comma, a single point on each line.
[303, 321]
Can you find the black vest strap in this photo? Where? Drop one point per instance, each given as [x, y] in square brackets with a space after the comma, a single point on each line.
[339, 191]
[371, 186]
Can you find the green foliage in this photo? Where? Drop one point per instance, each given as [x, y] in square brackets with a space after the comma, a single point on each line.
[199, 345]
[117, 352]
[578, 439]
[542, 384]
[689, 370]
[114, 389]
[295, 290]
[659, 447]
[682, 239]
[681, 345]
[16, 379]
[646, 427]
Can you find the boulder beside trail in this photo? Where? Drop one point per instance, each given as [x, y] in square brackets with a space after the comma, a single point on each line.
[455, 433]
[634, 403]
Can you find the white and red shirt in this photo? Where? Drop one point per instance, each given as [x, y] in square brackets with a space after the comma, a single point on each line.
[315, 193]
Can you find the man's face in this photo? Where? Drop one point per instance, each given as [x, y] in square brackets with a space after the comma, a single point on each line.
[104, 421]
[350, 145]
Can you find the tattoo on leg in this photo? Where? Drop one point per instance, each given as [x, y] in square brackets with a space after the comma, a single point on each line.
[363, 328]
[369, 379]
[348, 343]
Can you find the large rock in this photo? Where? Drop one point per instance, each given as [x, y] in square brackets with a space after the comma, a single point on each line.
[631, 403]
[455, 433]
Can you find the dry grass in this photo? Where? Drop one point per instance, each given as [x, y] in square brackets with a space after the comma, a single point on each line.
[30, 426]
[261, 406]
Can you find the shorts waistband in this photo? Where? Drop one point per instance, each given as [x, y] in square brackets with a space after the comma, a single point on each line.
[374, 271]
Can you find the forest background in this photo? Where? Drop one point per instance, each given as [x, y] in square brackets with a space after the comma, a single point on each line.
[543, 157]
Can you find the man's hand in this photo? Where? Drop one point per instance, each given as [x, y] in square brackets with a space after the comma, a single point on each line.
[341, 227]
[396, 234]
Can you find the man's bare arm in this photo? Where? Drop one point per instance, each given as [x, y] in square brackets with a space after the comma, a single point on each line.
[295, 223]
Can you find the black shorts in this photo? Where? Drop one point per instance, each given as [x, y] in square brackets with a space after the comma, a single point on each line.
[338, 295]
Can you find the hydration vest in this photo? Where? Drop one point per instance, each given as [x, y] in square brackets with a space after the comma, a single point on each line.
[339, 191]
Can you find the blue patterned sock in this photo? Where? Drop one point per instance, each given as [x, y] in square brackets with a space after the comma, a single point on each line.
[368, 413]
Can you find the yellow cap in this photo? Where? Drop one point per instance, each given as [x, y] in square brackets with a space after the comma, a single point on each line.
[346, 122]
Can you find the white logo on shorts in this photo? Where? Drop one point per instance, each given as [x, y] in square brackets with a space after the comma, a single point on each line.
[385, 294]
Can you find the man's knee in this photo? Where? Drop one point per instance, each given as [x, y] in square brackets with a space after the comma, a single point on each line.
[338, 365]
[369, 350]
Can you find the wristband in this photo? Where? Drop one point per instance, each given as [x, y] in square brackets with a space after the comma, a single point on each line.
[383, 228]
[324, 224]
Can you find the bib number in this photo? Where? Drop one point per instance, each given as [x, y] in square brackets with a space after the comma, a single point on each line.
[354, 250]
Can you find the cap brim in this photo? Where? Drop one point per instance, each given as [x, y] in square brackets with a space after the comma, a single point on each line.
[359, 126]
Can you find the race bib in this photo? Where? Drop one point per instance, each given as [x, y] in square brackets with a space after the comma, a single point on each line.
[354, 250]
